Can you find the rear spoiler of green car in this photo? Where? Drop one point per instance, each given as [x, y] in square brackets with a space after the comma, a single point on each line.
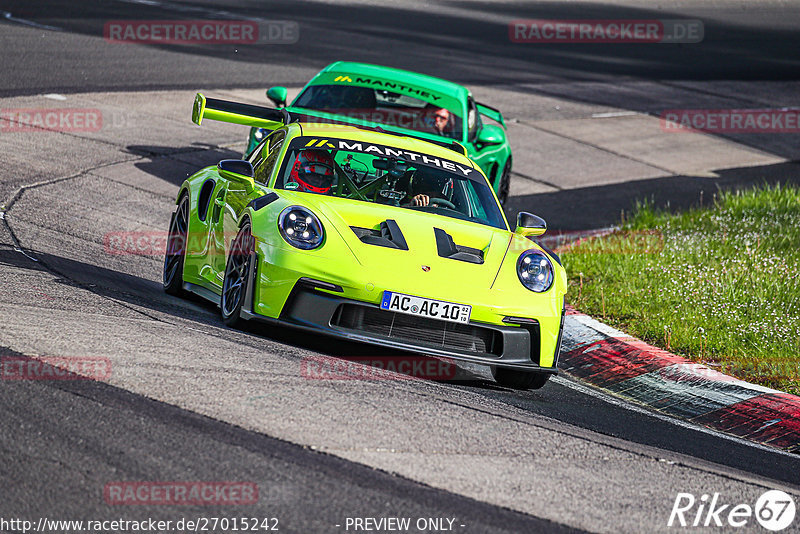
[490, 112]
[246, 114]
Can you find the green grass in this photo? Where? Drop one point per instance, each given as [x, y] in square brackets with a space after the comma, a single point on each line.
[718, 285]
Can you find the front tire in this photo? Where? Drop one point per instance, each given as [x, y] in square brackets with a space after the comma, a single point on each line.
[175, 255]
[511, 378]
[237, 277]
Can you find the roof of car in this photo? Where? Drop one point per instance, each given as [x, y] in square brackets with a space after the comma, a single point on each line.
[339, 131]
[423, 80]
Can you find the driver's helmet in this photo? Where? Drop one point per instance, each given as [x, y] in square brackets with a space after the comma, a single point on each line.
[313, 171]
[437, 186]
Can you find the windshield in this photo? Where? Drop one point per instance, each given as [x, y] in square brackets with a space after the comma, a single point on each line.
[383, 107]
[386, 175]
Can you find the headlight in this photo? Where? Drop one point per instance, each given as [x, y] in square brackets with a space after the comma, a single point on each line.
[535, 271]
[259, 135]
[300, 228]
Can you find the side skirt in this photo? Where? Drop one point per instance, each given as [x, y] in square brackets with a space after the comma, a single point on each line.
[202, 291]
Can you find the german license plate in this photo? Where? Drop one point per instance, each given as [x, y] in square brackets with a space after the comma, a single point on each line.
[435, 309]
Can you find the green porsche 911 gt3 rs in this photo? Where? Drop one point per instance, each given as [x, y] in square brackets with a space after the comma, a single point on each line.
[405, 102]
[368, 236]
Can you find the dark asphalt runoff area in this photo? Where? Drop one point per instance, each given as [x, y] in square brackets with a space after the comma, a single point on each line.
[191, 400]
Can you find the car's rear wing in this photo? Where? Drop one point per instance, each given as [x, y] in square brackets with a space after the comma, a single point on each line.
[490, 112]
[246, 114]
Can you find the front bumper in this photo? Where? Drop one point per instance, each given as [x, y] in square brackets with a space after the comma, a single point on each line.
[324, 312]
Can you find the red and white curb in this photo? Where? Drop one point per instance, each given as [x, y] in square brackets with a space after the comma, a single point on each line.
[630, 368]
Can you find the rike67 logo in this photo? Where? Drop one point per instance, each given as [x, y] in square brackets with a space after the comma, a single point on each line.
[774, 510]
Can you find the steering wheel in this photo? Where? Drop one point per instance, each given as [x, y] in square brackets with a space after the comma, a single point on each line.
[442, 202]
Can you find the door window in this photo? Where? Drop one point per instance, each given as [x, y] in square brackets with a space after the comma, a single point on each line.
[264, 167]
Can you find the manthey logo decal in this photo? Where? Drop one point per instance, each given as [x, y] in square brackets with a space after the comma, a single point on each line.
[319, 143]
[389, 86]
[388, 152]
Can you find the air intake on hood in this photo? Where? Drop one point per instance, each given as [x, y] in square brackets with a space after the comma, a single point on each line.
[388, 235]
[448, 249]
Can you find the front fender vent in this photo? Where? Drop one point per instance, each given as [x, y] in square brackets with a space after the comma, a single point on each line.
[387, 235]
[448, 249]
[266, 200]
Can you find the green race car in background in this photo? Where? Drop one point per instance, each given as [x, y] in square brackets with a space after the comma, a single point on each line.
[372, 237]
[408, 102]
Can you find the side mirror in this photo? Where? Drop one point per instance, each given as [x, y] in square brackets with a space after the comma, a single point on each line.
[530, 225]
[491, 135]
[237, 170]
[278, 95]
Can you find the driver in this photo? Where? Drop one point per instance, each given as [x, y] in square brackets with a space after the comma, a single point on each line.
[439, 120]
[313, 171]
[425, 188]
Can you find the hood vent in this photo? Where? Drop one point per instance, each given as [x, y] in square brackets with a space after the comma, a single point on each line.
[448, 249]
[388, 235]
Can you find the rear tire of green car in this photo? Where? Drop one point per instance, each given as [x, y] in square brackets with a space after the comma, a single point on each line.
[511, 378]
[237, 278]
[176, 249]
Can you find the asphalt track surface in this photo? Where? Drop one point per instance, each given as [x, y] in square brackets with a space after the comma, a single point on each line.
[192, 400]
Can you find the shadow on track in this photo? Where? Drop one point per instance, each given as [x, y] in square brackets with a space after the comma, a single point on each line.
[149, 295]
[600, 206]
[175, 165]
